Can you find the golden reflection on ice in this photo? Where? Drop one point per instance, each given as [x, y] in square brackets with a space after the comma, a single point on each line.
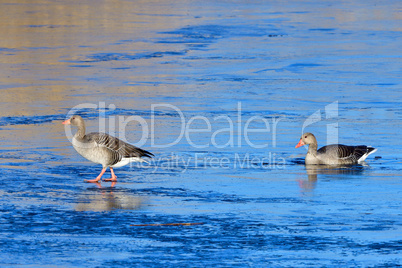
[108, 200]
[315, 171]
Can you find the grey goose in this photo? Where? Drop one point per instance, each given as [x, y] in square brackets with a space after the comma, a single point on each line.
[104, 149]
[334, 154]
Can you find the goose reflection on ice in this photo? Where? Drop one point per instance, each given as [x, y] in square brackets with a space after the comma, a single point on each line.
[106, 199]
[313, 171]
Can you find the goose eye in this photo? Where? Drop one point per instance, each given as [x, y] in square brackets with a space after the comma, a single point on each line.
[305, 137]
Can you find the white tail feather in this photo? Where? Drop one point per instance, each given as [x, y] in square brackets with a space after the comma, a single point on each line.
[361, 159]
[124, 161]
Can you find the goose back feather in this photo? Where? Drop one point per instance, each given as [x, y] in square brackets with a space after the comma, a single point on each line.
[344, 154]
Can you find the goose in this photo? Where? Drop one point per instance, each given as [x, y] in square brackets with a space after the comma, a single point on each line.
[104, 149]
[335, 154]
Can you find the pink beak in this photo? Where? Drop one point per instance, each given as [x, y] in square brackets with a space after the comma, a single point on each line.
[301, 143]
[67, 122]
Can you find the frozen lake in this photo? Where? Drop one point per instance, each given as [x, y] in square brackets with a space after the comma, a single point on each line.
[220, 92]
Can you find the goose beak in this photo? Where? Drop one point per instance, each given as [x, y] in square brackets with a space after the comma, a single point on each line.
[301, 143]
[67, 122]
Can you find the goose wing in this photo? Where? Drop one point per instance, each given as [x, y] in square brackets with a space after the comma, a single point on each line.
[123, 149]
[344, 153]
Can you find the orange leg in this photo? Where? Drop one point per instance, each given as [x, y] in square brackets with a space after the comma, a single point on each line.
[97, 178]
[113, 178]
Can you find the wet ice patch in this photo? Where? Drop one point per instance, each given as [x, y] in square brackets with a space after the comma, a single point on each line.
[101, 57]
[29, 120]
